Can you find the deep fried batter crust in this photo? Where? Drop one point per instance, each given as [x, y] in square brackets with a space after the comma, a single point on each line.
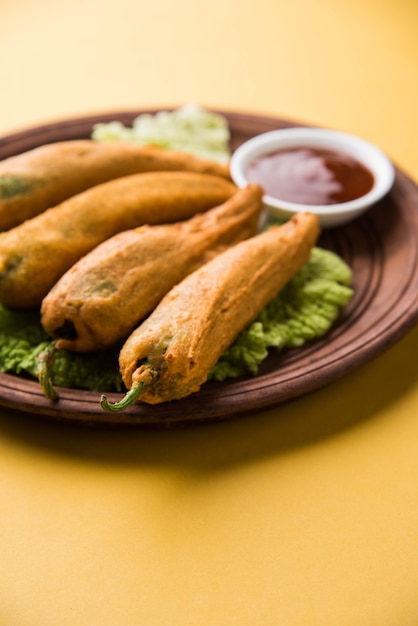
[101, 299]
[173, 351]
[36, 180]
[35, 254]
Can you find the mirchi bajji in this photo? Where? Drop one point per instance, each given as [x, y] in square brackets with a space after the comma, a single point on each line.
[169, 356]
[43, 177]
[35, 254]
[106, 294]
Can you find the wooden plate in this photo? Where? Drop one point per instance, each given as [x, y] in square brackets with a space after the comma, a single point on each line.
[381, 247]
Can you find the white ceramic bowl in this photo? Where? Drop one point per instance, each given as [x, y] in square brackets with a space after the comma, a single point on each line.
[331, 214]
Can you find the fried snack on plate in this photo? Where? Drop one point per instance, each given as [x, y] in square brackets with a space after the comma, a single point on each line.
[104, 296]
[43, 177]
[35, 254]
[171, 354]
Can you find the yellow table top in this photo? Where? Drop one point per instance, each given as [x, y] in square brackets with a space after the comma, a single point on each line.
[305, 514]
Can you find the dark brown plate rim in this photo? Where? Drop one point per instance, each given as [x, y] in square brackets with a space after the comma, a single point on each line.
[381, 247]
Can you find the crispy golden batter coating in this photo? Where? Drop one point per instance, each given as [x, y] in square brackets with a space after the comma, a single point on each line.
[35, 254]
[171, 354]
[101, 299]
[36, 180]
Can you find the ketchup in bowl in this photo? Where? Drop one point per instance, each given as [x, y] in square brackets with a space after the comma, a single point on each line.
[335, 175]
[311, 176]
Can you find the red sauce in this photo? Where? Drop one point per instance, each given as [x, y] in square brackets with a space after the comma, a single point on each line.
[311, 176]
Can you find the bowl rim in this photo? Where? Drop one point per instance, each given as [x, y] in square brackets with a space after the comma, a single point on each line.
[367, 153]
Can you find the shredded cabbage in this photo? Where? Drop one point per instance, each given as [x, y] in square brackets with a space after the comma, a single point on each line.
[189, 128]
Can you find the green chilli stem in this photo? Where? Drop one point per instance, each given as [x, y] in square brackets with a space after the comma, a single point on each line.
[131, 396]
[44, 364]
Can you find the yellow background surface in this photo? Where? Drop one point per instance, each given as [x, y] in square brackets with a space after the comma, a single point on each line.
[302, 515]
